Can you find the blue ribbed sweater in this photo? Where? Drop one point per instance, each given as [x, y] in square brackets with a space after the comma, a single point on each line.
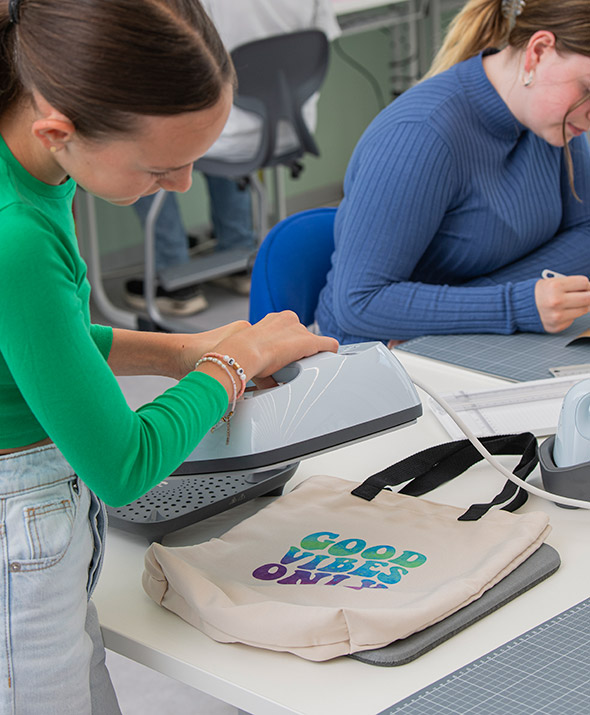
[451, 210]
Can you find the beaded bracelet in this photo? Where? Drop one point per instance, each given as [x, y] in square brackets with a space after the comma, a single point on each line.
[234, 365]
[227, 417]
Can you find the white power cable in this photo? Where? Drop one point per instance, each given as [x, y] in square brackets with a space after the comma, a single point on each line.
[555, 498]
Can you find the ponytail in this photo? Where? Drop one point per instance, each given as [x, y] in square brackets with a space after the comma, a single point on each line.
[478, 26]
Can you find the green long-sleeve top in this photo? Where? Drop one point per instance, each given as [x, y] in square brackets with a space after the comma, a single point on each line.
[54, 378]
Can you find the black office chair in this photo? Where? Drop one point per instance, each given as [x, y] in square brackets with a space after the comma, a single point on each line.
[276, 76]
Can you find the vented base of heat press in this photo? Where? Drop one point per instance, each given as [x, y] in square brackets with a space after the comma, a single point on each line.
[571, 481]
[179, 502]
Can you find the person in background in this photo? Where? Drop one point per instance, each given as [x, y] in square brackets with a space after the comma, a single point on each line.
[86, 98]
[238, 22]
[468, 186]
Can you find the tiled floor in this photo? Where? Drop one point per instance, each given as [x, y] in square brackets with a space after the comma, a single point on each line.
[142, 691]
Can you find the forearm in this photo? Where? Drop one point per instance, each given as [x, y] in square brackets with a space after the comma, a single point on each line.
[170, 354]
[145, 353]
[408, 310]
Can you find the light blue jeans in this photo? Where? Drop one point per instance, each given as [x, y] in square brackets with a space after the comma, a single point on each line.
[51, 534]
[231, 216]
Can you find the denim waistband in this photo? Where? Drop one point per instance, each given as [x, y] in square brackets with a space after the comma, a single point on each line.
[31, 469]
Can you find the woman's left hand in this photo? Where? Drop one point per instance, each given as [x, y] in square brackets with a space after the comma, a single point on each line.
[561, 300]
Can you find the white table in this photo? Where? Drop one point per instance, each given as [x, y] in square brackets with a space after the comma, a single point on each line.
[266, 683]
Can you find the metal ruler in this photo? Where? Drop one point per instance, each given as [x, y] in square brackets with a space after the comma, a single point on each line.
[533, 391]
[565, 370]
[527, 406]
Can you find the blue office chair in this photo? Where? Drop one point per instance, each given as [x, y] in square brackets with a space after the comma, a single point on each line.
[292, 264]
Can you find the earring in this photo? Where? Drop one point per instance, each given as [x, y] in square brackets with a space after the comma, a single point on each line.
[528, 80]
[53, 149]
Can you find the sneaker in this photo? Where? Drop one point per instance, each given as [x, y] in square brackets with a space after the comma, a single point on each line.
[237, 283]
[183, 301]
[199, 244]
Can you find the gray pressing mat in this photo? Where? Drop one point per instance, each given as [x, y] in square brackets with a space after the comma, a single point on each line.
[539, 566]
[545, 670]
[522, 356]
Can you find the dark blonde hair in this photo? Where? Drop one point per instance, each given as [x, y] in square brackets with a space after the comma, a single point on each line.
[481, 25]
[104, 62]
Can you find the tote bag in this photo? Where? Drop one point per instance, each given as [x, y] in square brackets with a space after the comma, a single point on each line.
[321, 572]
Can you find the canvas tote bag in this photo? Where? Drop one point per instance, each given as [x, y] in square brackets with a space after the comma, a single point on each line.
[323, 572]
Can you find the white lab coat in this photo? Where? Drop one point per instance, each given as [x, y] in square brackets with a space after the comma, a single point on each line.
[241, 21]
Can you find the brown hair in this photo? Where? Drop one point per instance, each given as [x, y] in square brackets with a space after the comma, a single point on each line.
[103, 62]
[481, 24]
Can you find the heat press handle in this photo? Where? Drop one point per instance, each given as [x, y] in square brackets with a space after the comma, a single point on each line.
[572, 441]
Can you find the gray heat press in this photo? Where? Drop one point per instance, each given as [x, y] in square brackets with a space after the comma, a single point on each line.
[321, 403]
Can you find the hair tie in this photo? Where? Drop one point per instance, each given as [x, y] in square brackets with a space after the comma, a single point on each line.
[14, 11]
[511, 9]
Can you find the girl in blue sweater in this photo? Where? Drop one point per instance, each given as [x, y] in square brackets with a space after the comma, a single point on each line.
[467, 187]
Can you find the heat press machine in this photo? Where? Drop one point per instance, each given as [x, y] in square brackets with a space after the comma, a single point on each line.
[320, 403]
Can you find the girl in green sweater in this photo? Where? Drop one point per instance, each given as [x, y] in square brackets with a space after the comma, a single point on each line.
[121, 97]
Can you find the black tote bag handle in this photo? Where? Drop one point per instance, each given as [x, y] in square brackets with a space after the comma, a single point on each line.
[426, 470]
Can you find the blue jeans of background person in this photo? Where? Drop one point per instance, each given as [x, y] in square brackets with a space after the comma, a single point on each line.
[231, 216]
[171, 243]
[51, 533]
